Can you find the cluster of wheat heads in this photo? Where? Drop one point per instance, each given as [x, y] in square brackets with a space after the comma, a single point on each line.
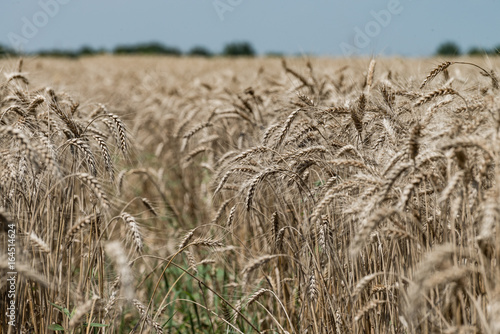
[366, 204]
[57, 187]
[288, 197]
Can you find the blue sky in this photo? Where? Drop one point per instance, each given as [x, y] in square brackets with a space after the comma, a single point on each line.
[321, 27]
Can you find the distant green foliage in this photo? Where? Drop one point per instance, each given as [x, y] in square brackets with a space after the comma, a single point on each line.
[89, 51]
[238, 49]
[6, 51]
[61, 53]
[496, 50]
[233, 49]
[147, 48]
[475, 51]
[452, 49]
[200, 51]
[58, 53]
[448, 49]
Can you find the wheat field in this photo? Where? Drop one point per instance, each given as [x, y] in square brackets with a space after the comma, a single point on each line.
[259, 195]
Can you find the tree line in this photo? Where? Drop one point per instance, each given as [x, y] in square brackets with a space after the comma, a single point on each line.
[152, 48]
[450, 48]
[231, 49]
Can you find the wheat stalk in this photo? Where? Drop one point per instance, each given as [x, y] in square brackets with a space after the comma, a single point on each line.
[134, 230]
[438, 69]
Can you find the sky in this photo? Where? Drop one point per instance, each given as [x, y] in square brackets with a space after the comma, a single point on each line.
[320, 27]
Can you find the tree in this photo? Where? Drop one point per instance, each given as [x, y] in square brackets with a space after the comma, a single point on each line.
[87, 51]
[147, 48]
[448, 49]
[200, 51]
[58, 53]
[6, 51]
[238, 49]
[475, 51]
